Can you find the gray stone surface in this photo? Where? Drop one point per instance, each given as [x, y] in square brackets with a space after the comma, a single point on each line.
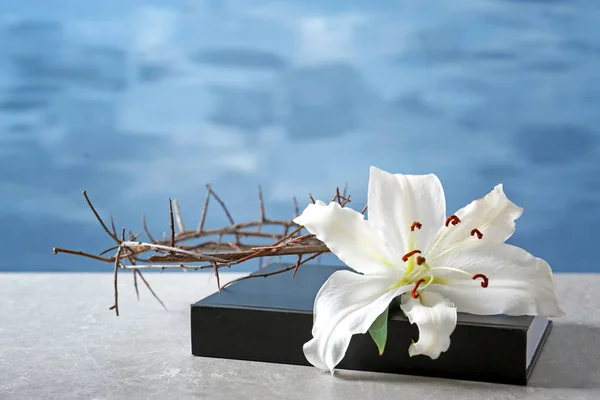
[58, 340]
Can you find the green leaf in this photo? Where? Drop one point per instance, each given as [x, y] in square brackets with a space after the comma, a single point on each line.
[378, 331]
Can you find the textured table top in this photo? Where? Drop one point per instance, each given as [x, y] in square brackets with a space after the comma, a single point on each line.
[59, 340]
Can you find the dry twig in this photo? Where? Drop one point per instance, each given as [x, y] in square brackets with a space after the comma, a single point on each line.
[145, 226]
[116, 286]
[209, 253]
[180, 226]
[172, 225]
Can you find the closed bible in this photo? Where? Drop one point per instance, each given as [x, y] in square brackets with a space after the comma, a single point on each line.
[268, 319]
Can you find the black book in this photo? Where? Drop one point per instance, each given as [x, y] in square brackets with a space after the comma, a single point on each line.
[269, 319]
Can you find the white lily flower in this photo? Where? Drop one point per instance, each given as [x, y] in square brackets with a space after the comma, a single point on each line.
[438, 265]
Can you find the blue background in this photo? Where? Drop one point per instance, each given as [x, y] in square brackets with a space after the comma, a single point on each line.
[141, 101]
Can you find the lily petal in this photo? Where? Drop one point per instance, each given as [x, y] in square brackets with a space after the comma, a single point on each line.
[346, 304]
[519, 283]
[436, 318]
[493, 216]
[397, 201]
[348, 235]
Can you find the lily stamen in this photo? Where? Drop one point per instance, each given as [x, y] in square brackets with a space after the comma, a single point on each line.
[420, 260]
[407, 255]
[431, 279]
[453, 219]
[477, 232]
[473, 276]
[413, 235]
[414, 293]
[485, 279]
[452, 269]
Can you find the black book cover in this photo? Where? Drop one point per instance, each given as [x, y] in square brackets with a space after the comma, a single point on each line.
[269, 319]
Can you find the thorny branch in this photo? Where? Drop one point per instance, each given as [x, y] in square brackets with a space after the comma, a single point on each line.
[171, 253]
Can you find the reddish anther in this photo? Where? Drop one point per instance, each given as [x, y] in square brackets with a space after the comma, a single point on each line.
[414, 293]
[407, 255]
[420, 260]
[476, 232]
[453, 219]
[485, 279]
[415, 224]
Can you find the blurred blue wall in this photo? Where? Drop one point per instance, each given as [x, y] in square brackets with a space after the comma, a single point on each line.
[139, 101]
